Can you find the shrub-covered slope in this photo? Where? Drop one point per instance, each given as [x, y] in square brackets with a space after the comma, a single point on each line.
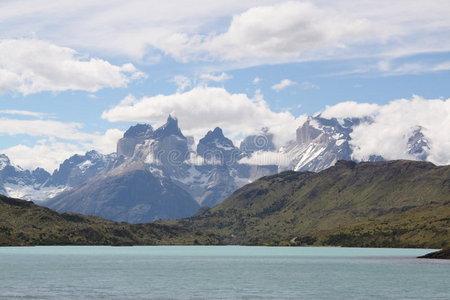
[374, 204]
[24, 223]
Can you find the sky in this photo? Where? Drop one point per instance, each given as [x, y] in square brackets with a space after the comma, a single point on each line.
[74, 75]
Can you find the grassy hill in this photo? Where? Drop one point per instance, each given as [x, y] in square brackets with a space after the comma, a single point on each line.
[24, 223]
[376, 204]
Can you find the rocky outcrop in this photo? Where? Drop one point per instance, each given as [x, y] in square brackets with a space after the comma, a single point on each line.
[441, 254]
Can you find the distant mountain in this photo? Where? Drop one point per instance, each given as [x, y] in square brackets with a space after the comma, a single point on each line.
[18, 182]
[80, 168]
[134, 196]
[22, 223]
[371, 204]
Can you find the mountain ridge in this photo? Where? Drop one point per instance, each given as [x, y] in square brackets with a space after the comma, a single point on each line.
[372, 204]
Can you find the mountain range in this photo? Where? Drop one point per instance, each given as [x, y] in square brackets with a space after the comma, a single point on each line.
[158, 174]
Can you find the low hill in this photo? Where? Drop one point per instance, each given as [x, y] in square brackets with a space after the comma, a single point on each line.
[22, 223]
[371, 204]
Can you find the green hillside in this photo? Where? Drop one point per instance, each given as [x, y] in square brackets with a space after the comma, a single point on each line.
[24, 223]
[377, 204]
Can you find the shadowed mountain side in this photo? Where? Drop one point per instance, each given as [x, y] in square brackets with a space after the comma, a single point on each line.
[22, 223]
[135, 197]
[376, 204]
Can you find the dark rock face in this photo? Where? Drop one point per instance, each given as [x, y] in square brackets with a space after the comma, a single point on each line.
[135, 197]
[254, 143]
[134, 135]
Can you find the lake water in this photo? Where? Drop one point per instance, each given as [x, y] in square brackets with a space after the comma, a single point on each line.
[229, 272]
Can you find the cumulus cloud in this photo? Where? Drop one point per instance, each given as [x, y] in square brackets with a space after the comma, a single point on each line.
[237, 114]
[284, 30]
[256, 80]
[47, 154]
[283, 84]
[216, 78]
[350, 109]
[392, 124]
[33, 66]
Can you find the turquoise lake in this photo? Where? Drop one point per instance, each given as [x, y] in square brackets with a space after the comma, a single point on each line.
[228, 272]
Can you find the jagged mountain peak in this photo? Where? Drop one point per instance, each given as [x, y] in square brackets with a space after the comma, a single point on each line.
[216, 134]
[168, 129]
[139, 131]
[216, 139]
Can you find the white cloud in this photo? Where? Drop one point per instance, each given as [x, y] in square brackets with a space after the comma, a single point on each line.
[33, 66]
[264, 158]
[285, 30]
[256, 80]
[283, 84]
[182, 83]
[47, 154]
[260, 31]
[40, 128]
[216, 78]
[107, 142]
[350, 109]
[59, 141]
[24, 113]
[203, 108]
[392, 124]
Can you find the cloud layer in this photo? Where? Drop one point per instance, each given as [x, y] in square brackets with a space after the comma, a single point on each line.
[255, 30]
[33, 66]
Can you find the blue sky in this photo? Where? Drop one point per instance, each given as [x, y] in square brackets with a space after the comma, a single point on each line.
[75, 75]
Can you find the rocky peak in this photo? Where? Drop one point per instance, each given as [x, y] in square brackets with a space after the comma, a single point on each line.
[133, 136]
[307, 132]
[418, 144]
[216, 139]
[79, 168]
[4, 161]
[139, 131]
[260, 142]
[215, 147]
[40, 175]
[168, 129]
